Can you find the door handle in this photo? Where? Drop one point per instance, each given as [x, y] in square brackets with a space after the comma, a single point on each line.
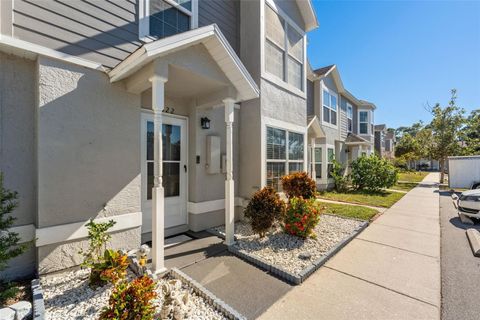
[185, 167]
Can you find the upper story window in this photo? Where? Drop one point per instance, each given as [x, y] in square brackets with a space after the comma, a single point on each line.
[329, 107]
[284, 49]
[163, 18]
[349, 117]
[363, 122]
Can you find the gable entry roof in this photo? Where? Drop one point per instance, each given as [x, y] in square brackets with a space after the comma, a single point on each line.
[308, 14]
[215, 42]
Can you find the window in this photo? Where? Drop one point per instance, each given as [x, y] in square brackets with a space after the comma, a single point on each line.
[349, 117]
[317, 161]
[330, 158]
[284, 54]
[363, 122]
[163, 18]
[329, 107]
[284, 155]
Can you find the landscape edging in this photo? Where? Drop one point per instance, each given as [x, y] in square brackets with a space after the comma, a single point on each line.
[203, 292]
[304, 274]
[38, 305]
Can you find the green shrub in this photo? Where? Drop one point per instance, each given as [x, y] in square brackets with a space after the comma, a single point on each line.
[131, 300]
[299, 184]
[338, 174]
[301, 217]
[263, 210]
[9, 241]
[111, 268]
[372, 173]
[94, 256]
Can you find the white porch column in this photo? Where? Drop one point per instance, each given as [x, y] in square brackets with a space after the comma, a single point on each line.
[158, 203]
[312, 159]
[229, 184]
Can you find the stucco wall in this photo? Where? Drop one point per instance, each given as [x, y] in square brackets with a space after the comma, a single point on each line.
[56, 257]
[88, 153]
[215, 182]
[250, 41]
[17, 133]
[277, 103]
[250, 147]
[17, 148]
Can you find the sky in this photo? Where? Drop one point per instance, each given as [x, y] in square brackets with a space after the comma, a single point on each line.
[401, 55]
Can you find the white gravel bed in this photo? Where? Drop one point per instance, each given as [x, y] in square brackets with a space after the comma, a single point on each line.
[68, 296]
[292, 253]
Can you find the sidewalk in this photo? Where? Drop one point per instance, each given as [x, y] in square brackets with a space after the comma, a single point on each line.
[390, 271]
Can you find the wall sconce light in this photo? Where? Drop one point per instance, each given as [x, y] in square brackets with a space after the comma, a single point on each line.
[205, 123]
[347, 150]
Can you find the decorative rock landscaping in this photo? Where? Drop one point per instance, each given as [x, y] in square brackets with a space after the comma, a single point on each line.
[21, 310]
[68, 296]
[290, 257]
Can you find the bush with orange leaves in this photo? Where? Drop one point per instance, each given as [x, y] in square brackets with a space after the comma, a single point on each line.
[299, 184]
[131, 300]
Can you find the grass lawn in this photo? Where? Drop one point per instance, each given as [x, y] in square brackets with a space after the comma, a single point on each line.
[404, 186]
[349, 211]
[416, 176]
[384, 199]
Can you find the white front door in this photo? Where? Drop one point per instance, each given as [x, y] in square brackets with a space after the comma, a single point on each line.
[174, 139]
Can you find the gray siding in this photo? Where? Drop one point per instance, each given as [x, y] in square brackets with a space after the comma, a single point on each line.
[101, 31]
[343, 118]
[310, 98]
[226, 14]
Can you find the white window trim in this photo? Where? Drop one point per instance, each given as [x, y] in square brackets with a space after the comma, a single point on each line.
[274, 123]
[144, 17]
[349, 106]
[369, 122]
[327, 161]
[320, 146]
[333, 93]
[270, 77]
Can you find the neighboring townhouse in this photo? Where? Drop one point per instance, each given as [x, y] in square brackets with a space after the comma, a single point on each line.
[384, 142]
[390, 141]
[380, 133]
[163, 115]
[339, 125]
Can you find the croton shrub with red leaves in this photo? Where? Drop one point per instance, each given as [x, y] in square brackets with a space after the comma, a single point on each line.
[131, 300]
[301, 217]
[299, 184]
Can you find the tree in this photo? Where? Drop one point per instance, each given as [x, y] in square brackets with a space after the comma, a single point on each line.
[412, 130]
[9, 247]
[407, 148]
[446, 125]
[470, 134]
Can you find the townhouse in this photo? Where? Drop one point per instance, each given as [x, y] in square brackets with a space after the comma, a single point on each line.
[340, 126]
[163, 115]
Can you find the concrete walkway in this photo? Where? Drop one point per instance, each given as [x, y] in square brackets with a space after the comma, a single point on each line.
[390, 271]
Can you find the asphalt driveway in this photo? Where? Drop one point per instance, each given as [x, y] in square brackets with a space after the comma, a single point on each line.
[460, 269]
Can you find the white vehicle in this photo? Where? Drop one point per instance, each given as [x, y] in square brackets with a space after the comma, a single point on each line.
[468, 203]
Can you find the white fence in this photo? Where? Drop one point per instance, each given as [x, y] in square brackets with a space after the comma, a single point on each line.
[463, 171]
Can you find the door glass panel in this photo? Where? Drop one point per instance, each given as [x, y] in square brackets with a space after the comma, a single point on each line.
[171, 179]
[171, 135]
[149, 180]
[149, 140]
[171, 142]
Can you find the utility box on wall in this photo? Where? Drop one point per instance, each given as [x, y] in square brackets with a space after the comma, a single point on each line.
[213, 154]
